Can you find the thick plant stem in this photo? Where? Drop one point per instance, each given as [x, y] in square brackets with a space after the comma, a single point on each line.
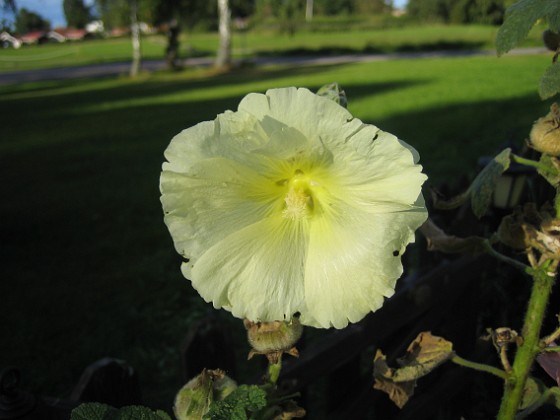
[528, 350]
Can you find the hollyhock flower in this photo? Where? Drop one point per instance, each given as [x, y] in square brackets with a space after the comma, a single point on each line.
[291, 206]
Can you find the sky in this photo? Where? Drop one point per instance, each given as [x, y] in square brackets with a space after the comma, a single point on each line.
[51, 10]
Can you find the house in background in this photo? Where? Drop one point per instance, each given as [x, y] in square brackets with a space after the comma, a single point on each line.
[7, 40]
[34, 38]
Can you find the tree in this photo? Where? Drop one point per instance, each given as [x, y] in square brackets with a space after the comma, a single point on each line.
[223, 58]
[458, 11]
[9, 6]
[77, 14]
[27, 21]
[114, 13]
[135, 31]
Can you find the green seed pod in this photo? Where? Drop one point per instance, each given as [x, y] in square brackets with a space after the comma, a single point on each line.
[193, 400]
[545, 134]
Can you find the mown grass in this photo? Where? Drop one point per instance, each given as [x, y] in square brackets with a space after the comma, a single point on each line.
[262, 43]
[87, 266]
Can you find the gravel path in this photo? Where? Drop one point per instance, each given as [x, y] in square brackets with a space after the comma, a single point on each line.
[115, 69]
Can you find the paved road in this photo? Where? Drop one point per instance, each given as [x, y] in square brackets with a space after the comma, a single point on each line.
[115, 69]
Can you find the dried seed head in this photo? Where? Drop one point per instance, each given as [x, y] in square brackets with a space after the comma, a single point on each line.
[545, 134]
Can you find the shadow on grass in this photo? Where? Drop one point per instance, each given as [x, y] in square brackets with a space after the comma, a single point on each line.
[90, 270]
[372, 48]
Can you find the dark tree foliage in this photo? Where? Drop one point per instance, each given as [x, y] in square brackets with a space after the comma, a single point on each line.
[77, 14]
[114, 13]
[459, 11]
[27, 21]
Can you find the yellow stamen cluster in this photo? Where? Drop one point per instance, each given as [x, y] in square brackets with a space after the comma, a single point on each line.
[298, 200]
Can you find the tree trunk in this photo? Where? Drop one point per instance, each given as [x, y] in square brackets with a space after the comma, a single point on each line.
[172, 50]
[135, 32]
[223, 58]
[309, 10]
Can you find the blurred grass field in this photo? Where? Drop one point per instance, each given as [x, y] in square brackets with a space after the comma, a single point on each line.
[88, 268]
[261, 43]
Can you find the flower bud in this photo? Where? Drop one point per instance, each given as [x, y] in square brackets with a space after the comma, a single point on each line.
[545, 134]
[273, 338]
[193, 400]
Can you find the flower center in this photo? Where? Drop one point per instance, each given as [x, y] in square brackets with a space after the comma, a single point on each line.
[299, 200]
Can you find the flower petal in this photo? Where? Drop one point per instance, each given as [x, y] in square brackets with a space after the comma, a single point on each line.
[353, 263]
[256, 272]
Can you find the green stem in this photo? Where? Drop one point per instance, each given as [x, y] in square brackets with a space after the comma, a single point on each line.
[549, 339]
[528, 350]
[479, 366]
[274, 370]
[533, 163]
[517, 264]
[554, 349]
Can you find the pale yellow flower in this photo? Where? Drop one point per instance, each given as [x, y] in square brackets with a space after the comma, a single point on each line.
[290, 205]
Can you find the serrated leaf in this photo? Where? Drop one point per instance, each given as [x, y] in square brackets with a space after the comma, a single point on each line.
[482, 187]
[94, 411]
[136, 412]
[549, 85]
[245, 399]
[98, 411]
[520, 18]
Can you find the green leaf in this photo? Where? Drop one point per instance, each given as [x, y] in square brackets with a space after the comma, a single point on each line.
[93, 411]
[520, 18]
[136, 412]
[554, 396]
[97, 411]
[482, 187]
[553, 174]
[549, 84]
[244, 400]
[553, 16]
[532, 394]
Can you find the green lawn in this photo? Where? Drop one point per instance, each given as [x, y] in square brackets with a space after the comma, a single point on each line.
[259, 43]
[88, 268]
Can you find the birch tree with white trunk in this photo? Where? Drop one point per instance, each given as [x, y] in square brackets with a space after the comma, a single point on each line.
[223, 58]
[135, 34]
